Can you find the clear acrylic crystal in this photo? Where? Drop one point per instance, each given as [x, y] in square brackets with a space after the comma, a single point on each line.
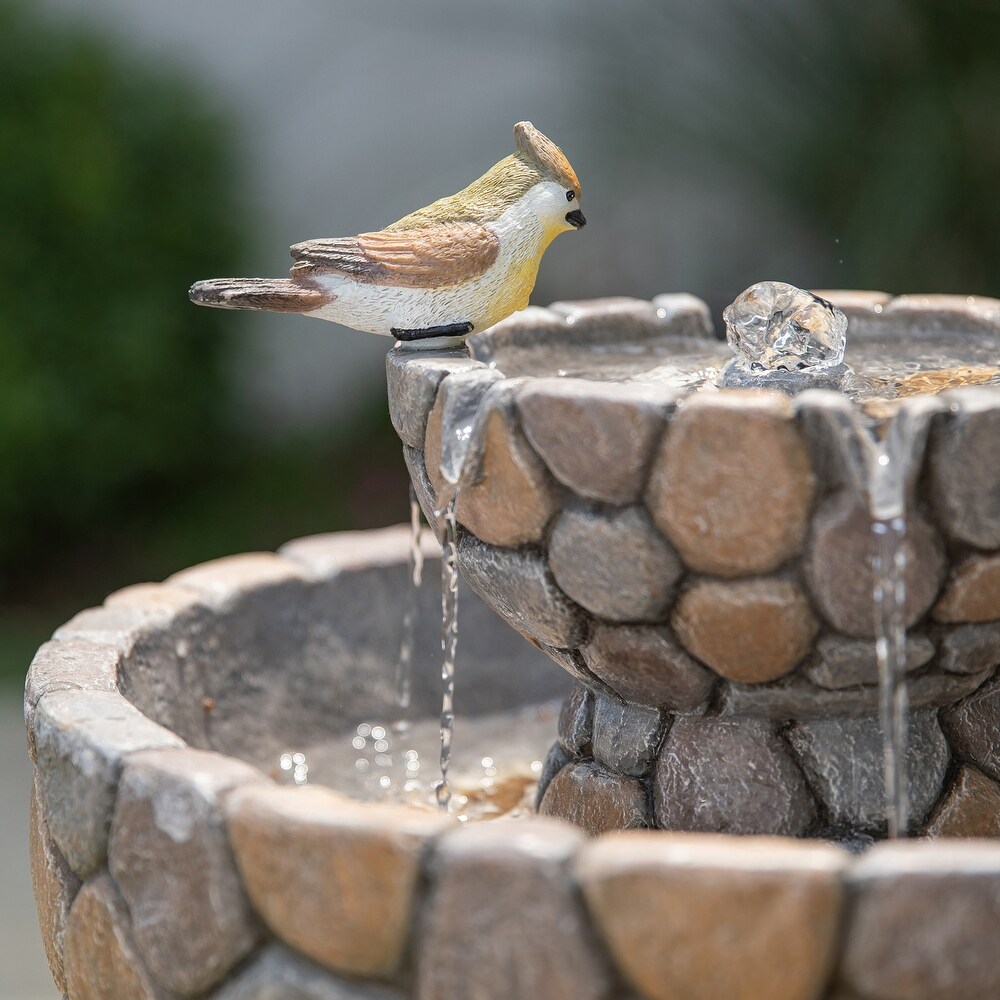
[773, 326]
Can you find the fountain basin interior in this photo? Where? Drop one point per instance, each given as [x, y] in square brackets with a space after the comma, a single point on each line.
[700, 560]
[170, 859]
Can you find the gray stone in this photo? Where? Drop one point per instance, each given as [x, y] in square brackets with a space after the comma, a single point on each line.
[426, 495]
[923, 923]
[730, 776]
[615, 318]
[596, 437]
[521, 331]
[836, 438]
[843, 761]
[555, 760]
[576, 722]
[841, 662]
[412, 380]
[596, 800]
[963, 468]
[797, 698]
[169, 854]
[970, 649]
[55, 887]
[82, 739]
[614, 563]
[520, 588]
[224, 581]
[280, 974]
[626, 737]
[839, 565]
[647, 666]
[683, 315]
[973, 728]
[572, 662]
[933, 316]
[100, 955]
[504, 921]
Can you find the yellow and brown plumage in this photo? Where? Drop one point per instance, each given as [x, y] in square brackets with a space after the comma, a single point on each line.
[461, 264]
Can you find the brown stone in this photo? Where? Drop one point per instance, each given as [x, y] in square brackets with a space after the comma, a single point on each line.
[614, 563]
[101, 959]
[973, 592]
[595, 437]
[702, 918]
[227, 578]
[839, 565]
[169, 854]
[596, 800]
[923, 922]
[519, 587]
[841, 662]
[729, 776]
[746, 630]
[647, 666]
[55, 887]
[973, 728]
[971, 648]
[970, 808]
[731, 485]
[333, 878]
[963, 468]
[503, 919]
[555, 760]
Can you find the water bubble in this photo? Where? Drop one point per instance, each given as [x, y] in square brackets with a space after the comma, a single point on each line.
[362, 764]
[359, 743]
[536, 767]
[385, 781]
[298, 758]
[487, 762]
[383, 760]
[378, 732]
[285, 760]
[381, 746]
[877, 308]
[364, 729]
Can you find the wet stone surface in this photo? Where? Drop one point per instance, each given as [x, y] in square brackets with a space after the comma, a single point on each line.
[596, 800]
[647, 666]
[597, 440]
[841, 662]
[843, 761]
[614, 563]
[972, 594]
[520, 588]
[731, 484]
[555, 760]
[746, 630]
[923, 922]
[576, 722]
[501, 891]
[168, 823]
[730, 776]
[626, 737]
[839, 558]
[971, 807]
[971, 649]
[973, 728]
[707, 918]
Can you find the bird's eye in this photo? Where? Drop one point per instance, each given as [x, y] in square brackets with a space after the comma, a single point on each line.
[570, 195]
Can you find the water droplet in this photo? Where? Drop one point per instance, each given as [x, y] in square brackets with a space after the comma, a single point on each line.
[359, 742]
[536, 767]
[181, 649]
[487, 762]
[378, 732]
[383, 760]
[298, 758]
[385, 781]
[364, 729]
[381, 746]
[877, 308]
[285, 760]
[362, 764]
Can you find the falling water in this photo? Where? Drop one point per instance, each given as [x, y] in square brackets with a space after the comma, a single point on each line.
[449, 644]
[404, 663]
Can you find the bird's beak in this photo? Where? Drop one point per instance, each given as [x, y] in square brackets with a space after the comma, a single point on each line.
[576, 219]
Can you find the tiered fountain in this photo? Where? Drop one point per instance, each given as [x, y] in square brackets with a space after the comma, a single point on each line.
[780, 613]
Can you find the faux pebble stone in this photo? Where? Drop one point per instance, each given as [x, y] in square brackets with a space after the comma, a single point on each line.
[503, 919]
[576, 722]
[972, 594]
[614, 563]
[704, 917]
[839, 559]
[555, 760]
[746, 630]
[842, 662]
[973, 728]
[190, 932]
[963, 468]
[333, 878]
[971, 807]
[596, 800]
[923, 921]
[731, 485]
[729, 776]
[518, 585]
[843, 760]
[596, 438]
[970, 649]
[647, 666]
[626, 736]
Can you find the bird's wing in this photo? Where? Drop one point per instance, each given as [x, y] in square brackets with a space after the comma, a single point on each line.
[433, 257]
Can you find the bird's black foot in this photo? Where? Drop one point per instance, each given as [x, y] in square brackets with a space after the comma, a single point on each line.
[432, 332]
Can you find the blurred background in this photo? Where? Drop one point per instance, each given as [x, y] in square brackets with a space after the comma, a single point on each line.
[144, 145]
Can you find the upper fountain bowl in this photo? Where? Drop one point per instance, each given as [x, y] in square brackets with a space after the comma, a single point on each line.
[701, 559]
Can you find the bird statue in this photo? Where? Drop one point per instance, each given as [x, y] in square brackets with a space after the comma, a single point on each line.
[461, 264]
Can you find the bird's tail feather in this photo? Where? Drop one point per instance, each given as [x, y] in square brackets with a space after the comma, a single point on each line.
[262, 294]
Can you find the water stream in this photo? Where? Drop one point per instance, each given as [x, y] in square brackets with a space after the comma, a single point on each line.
[449, 645]
[404, 664]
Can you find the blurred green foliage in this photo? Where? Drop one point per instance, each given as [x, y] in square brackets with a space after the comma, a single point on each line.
[116, 191]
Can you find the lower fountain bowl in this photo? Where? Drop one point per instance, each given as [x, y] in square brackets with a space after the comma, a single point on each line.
[170, 861]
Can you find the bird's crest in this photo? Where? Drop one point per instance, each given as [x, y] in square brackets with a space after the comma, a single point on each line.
[544, 154]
